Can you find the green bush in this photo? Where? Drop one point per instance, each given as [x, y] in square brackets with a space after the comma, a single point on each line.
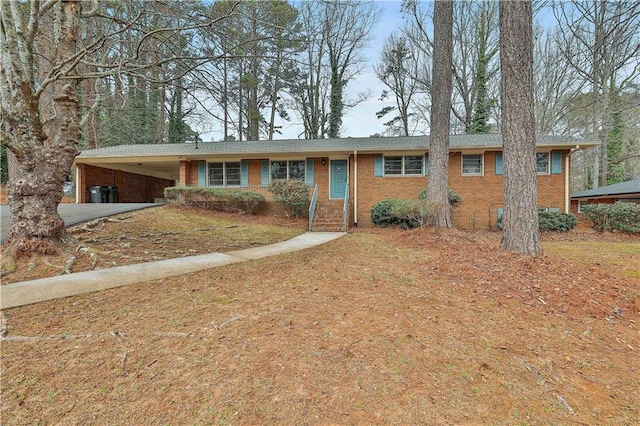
[410, 213]
[381, 213]
[624, 217]
[551, 221]
[292, 194]
[215, 198]
[455, 199]
[556, 221]
[396, 211]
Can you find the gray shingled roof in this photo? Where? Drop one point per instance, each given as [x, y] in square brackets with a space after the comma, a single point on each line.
[346, 145]
[623, 188]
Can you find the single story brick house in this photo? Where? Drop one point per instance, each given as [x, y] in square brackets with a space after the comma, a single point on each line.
[628, 192]
[364, 170]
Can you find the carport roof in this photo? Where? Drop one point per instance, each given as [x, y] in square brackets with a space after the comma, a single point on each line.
[629, 189]
[341, 145]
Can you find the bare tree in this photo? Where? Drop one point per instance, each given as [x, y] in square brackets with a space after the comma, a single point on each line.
[39, 77]
[336, 32]
[520, 220]
[43, 160]
[474, 62]
[556, 82]
[601, 42]
[438, 184]
[395, 70]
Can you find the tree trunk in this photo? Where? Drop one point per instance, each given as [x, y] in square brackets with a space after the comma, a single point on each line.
[44, 161]
[35, 195]
[438, 185]
[336, 103]
[274, 96]
[252, 108]
[520, 220]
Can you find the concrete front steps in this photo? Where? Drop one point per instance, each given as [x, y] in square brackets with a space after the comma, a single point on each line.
[328, 217]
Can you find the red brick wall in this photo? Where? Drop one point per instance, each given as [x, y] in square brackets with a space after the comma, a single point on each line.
[132, 187]
[574, 204]
[481, 195]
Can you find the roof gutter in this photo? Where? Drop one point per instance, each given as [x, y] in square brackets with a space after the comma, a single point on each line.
[567, 180]
[355, 189]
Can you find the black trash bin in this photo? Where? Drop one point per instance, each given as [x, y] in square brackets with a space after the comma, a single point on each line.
[113, 194]
[104, 194]
[95, 194]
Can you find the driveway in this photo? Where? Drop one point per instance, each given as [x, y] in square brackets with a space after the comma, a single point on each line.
[79, 213]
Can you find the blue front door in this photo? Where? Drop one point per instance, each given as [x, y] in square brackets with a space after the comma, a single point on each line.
[338, 179]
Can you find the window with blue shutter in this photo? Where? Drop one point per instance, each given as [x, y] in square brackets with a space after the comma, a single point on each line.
[264, 173]
[556, 162]
[499, 166]
[309, 178]
[378, 165]
[244, 173]
[202, 173]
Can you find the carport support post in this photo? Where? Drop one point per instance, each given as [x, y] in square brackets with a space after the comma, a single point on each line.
[81, 183]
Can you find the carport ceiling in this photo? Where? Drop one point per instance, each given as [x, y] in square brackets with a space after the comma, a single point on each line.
[160, 169]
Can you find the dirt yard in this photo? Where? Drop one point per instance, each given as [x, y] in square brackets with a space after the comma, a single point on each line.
[377, 327]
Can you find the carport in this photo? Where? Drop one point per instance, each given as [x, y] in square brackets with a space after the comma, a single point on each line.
[106, 177]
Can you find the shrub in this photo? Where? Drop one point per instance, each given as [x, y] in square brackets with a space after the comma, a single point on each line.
[455, 199]
[556, 221]
[215, 198]
[396, 211]
[292, 194]
[551, 221]
[624, 217]
[410, 213]
[381, 213]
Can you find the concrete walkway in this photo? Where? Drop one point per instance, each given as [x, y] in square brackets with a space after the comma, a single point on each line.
[28, 292]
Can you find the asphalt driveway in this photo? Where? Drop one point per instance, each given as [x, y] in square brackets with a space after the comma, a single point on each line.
[79, 213]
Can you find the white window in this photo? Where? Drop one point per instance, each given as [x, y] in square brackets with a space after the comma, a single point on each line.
[542, 163]
[294, 170]
[581, 205]
[404, 165]
[393, 166]
[472, 164]
[413, 164]
[224, 174]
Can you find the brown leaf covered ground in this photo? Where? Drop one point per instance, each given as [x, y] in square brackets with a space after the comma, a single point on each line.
[377, 327]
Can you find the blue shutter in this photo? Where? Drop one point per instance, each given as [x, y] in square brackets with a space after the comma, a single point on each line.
[244, 173]
[309, 179]
[264, 173]
[202, 173]
[378, 165]
[426, 164]
[499, 166]
[556, 162]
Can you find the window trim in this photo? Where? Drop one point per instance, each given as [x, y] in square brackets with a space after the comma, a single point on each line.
[581, 204]
[481, 165]
[548, 154]
[403, 172]
[288, 162]
[224, 174]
